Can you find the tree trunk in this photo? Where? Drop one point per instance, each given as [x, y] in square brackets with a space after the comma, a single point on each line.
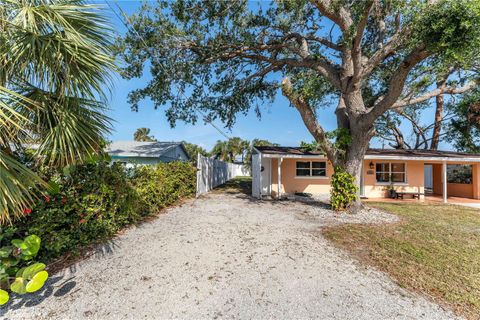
[351, 161]
[437, 128]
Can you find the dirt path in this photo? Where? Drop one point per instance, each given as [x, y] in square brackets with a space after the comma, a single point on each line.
[225, 256]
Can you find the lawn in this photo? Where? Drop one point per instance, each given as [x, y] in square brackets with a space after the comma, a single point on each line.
[434, 250]
[236, 185]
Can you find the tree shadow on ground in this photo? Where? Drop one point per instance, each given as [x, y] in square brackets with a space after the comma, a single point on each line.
[61, 281]
[57, 285]
[241, 187]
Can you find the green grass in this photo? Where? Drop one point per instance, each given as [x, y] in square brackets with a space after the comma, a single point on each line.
[236, 185]
[435, 250]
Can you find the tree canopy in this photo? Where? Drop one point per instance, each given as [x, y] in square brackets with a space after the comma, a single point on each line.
[224, 58]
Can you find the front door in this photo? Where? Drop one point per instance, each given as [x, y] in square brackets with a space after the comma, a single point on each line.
[266, 171]
[362, 183]
[428, 178]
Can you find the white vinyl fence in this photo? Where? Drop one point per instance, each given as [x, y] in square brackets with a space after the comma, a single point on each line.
[212, 173]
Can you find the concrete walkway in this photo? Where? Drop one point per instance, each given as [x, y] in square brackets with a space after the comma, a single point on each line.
[226, 256]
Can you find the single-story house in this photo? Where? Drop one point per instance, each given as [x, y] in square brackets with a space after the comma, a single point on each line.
[281, 171]
[146, 152]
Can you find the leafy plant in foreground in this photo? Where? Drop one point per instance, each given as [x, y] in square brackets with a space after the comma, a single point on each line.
[344, 190]
[18, 272]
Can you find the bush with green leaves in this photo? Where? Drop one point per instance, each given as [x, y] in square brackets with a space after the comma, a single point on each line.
[18, 272]
[343, 191]
[92, 202]
[163, 184]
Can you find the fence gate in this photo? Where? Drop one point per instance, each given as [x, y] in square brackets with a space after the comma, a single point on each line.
[212, 173]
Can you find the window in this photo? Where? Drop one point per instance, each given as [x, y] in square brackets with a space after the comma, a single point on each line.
[459, 173]
[387, 172]
[311, 169]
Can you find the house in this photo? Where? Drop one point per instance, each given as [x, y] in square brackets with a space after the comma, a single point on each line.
[411, 171]
[146, 152]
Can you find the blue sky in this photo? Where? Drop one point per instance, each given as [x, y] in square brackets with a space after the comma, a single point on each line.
[279, 123]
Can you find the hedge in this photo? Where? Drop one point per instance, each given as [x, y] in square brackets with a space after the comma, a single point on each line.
[94, 201]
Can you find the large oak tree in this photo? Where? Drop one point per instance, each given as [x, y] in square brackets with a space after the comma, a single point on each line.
[370, 57]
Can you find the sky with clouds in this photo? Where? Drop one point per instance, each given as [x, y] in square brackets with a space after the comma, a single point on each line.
[279, 123]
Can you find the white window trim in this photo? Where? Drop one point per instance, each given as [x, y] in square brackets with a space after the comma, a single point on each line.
[325, 177]
[390, 173]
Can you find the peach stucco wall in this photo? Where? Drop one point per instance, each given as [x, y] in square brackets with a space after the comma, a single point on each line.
[460, 190]
[414, 180]
[291, 183]
[456, 189]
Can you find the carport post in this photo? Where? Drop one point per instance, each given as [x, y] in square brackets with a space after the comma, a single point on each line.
[279, 167]
[444, 174]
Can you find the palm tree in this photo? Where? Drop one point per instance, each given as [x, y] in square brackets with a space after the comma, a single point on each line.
[220, 150]
[54, 63]
[229, 150]
[237, 147]
[143, 134]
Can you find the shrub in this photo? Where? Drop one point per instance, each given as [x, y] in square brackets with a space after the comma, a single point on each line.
[343, 191]
[164, 184]
[94, 201]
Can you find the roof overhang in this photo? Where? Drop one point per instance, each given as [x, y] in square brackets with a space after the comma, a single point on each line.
[428, 159]
[293, 156]
[374, 157]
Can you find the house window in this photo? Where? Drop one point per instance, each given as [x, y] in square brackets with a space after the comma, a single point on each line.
[311, 169]
[387, 172]
[459, 173]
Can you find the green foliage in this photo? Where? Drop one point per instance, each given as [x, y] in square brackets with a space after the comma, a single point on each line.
[95, 200]
[464, 127]
[231, 149]
[143, 134]
[17, 270]
[193, 150]
[340, 139]
[343, 190]
[55, 67]
[309, 146]
[164, 184]
[451, 28]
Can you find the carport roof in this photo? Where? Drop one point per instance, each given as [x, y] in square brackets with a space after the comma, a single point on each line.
[376, 153]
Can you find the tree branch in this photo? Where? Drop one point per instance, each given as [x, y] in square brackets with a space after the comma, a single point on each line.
[318, 64]
[397, 82]
[308, 117]
[357, 41]
[434, 93]
[341, 16]
[382, 53]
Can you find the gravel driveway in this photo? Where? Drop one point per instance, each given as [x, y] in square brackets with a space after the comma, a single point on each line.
[226, 256]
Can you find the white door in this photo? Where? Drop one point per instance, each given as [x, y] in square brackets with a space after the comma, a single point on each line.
[362, 182]
[266, 172]
[428, 178]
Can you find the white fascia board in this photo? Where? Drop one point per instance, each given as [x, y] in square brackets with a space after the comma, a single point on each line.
[374, 157]
[293, 156]
[439, 159]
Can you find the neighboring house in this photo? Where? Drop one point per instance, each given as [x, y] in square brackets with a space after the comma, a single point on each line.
[415, 171]
[146, 152]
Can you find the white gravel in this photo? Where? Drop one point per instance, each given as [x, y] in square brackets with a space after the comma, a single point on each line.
[226, 256]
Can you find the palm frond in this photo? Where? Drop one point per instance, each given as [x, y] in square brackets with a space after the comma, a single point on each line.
[72, 129]
[55, 70]
[60, 46]
[18, 187]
